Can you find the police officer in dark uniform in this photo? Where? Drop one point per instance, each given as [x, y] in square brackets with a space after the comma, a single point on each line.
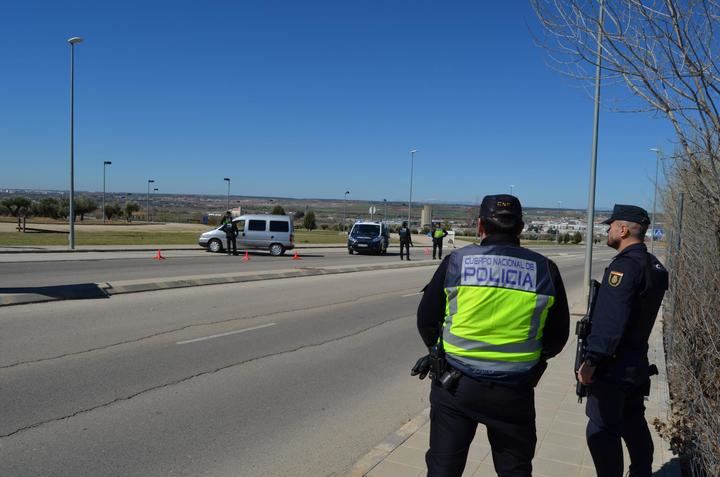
[230, 233]
[483, 312]
[616, 368]
[405, 240]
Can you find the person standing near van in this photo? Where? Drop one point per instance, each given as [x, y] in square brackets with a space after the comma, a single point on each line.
[438, 235]
[405, 240]
[230, 233]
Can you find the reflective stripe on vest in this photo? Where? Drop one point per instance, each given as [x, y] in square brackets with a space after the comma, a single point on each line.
[497, 302]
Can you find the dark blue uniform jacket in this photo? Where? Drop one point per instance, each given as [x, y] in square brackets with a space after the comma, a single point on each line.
[627, 304]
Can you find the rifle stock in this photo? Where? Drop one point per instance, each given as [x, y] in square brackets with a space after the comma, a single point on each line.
[582, 330]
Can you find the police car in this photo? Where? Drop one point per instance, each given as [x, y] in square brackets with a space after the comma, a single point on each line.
[368, 237]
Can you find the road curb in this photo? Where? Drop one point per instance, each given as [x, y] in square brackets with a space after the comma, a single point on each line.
[394, 440]
[137, 286]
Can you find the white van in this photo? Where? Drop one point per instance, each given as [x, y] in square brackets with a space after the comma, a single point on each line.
[274, 233]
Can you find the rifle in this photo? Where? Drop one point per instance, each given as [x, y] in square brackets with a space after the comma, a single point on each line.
[582, 331]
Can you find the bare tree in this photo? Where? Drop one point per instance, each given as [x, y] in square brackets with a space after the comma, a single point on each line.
[664, 53]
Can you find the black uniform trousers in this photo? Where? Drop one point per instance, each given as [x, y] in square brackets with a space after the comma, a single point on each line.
[437, 245]
[407, 250]
[615, 413]
[231, 244]
[508, 414]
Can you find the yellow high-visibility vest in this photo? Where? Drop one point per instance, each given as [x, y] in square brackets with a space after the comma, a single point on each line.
[498, 297]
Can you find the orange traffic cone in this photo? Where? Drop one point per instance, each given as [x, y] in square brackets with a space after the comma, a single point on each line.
[158, 255]
[427, 251]
[296, 256]
[246, 258]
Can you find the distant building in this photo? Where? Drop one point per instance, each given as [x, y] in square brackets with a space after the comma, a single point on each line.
[426, 215]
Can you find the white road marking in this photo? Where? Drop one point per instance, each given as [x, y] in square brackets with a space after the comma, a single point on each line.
[412, 294]
[220, 335]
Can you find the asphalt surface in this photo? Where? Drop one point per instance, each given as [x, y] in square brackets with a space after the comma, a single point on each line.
[42, 270]
[284, 377]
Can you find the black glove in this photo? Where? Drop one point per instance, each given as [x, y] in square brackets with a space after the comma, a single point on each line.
[422, 367]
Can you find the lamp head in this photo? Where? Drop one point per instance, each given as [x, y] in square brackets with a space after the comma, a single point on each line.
[75, 40]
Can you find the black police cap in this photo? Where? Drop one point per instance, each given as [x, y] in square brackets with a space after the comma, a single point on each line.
[628, 213]
[501, 206]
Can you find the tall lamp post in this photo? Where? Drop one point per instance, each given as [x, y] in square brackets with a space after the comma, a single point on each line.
[227, 179]
[345, 209]
[590, 232]
[658, 153]
[147, 206]
[155, 189]
[105, 164]
[73, 41]
[412, 162]
[385, 211]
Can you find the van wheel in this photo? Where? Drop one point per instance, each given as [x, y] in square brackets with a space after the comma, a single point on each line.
[350, 251]
[276, 250]
[215, 246]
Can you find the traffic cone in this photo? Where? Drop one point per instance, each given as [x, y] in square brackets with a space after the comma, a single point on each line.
[158, 255]
[296, 256]
[427, 251]
[246, 258]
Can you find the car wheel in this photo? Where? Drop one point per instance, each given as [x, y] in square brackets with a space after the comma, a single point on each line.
[350, 251]
[276, 250]
[215, 246]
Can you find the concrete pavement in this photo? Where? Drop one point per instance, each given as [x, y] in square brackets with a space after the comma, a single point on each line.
[561, 448]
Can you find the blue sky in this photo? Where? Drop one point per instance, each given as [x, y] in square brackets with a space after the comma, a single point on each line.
[309, 99]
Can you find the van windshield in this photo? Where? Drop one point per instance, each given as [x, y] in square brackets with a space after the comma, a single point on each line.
[366, 230]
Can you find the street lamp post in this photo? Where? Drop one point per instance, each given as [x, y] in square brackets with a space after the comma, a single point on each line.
[73, 41]
[105, 164]
[412, 162]
[590, 232]
[658, 153]
[345, 209]
[228, 193]
[385, 211]
[155, 189]
[559, 202]
[147, 206]
[511, 189]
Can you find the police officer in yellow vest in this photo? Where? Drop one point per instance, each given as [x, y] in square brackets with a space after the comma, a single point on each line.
[491, 316]
[438, 234]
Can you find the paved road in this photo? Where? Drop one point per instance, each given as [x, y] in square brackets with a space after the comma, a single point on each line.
[285, 377]
[40, 270]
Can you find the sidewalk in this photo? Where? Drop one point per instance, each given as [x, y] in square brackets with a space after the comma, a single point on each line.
[561, 449]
